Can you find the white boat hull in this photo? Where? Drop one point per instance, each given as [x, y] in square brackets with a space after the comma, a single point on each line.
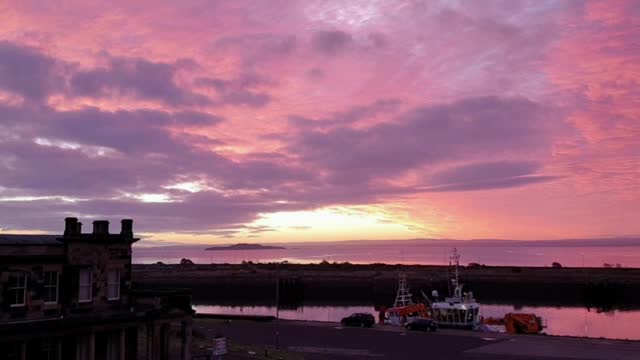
[463, 315]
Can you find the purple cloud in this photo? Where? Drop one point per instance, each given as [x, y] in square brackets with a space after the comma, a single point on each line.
[423, 136]
[331, 42]
[136, 78]
[112, 153]
[201, 212]
[487, 175]
[136, 131]
[35, 76]
[27, 72]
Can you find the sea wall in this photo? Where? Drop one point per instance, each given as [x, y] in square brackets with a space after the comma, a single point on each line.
[376, 284]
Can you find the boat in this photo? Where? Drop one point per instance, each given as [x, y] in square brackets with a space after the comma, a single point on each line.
[459, 310]
[514, 323]
[404, 310]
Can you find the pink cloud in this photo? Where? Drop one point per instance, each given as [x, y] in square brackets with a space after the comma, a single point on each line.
[299, 105]
[595, 67]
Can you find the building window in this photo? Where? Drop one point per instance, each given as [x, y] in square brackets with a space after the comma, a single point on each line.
[113, 285]
[51, 280]
[86, 285]
[17, 289]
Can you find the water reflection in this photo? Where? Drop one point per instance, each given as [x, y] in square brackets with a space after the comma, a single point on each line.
[307, 313]
[566, 321]
[573, 321]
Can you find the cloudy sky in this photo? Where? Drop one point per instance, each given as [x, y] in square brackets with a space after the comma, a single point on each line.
[206, 121]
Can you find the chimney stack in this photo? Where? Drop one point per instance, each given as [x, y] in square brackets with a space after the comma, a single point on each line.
[101, 227]
[127, 227]
[71, 226]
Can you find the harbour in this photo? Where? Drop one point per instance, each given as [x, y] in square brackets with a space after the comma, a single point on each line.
[559, 321]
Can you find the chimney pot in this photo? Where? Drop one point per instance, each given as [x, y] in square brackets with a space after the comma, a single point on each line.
[71, 226]
[127, 227]
[101, 227]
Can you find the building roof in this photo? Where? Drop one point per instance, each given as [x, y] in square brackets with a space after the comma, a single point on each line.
[28, 239]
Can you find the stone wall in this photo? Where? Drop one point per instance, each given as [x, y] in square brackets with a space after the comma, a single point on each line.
[35, 307]
[100, 257]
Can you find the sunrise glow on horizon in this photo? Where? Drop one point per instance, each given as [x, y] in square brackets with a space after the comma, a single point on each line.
[269, 121]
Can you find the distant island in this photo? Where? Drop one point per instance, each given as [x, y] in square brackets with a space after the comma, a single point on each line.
[245, 247]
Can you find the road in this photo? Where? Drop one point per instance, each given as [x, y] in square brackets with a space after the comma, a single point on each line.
[331, 341]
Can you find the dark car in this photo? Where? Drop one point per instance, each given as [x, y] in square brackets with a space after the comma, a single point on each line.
[359, 319]
[422, 325]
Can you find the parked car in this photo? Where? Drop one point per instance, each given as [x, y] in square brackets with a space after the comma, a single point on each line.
[422, 325]
[359, 319]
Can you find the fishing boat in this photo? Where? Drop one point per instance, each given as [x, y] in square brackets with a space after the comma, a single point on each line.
[404, 310]
[460, 310]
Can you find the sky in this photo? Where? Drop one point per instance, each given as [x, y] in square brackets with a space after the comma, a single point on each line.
[265, 121]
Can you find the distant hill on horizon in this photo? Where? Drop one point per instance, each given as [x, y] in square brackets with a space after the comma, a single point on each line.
[245, 246]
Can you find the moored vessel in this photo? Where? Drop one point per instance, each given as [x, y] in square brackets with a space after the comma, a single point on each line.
[404, 310]
[460, 309]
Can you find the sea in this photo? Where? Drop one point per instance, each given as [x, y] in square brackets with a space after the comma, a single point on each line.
[569, 253]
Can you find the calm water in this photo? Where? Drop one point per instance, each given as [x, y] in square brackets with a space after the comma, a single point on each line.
[387, 252]
[559, 321]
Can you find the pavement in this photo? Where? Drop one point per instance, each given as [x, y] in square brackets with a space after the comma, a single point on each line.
[315, 341]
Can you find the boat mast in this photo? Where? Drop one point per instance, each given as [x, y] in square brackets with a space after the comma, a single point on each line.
[455, 258]
[456, 261]
[403, 297]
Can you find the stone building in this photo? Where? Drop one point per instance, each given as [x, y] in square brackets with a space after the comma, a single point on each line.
[71, 297]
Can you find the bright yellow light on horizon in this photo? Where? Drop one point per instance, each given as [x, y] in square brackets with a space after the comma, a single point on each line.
[336, 223]
[325, 224]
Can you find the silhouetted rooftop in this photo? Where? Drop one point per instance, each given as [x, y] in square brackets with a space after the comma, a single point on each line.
[29, 239]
